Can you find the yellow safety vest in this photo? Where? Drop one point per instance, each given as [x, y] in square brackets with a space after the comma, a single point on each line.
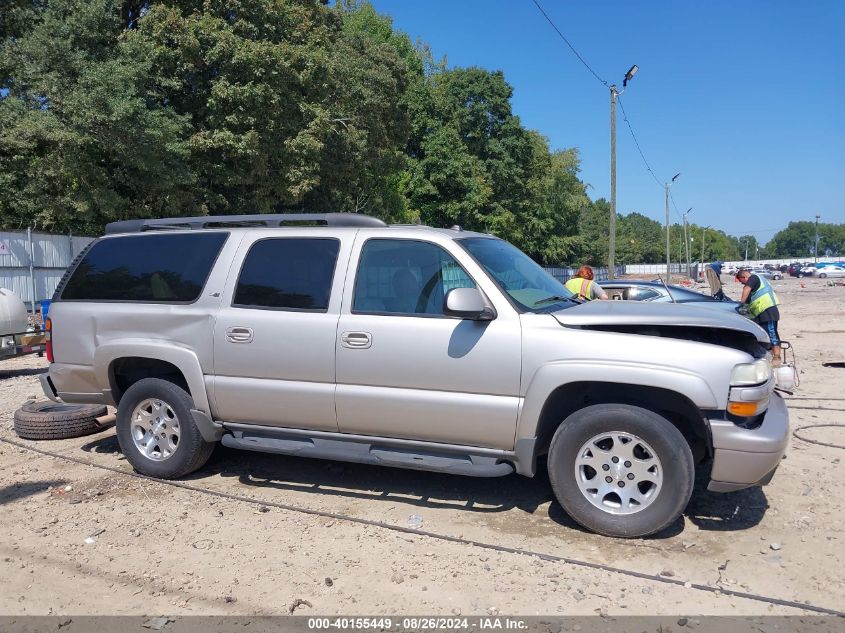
[762, 299]
[581, 287]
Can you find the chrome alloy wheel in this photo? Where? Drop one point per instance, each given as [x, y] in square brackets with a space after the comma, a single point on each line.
[618, 473]
[155, 429]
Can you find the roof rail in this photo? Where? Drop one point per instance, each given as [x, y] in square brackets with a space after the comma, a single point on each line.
[256, 220]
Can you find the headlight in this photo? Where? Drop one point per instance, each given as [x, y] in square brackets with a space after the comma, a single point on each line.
[754, 373]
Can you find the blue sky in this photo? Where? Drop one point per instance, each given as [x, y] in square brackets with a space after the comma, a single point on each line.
[744, 98]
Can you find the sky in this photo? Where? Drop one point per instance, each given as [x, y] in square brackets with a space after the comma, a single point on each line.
[744, 98]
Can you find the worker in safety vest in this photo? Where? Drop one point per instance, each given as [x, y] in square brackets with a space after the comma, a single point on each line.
[762, 306]
[584, 287]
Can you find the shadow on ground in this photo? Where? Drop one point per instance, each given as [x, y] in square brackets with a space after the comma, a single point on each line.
[416, 489]
[14, 492]
[726, 512]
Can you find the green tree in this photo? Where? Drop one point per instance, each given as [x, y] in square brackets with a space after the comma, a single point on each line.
[798, 238]
[82, 141]
[126, 109]
[470, 156]
[593, 225]
[640, 240]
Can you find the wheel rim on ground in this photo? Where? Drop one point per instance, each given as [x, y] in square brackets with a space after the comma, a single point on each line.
[155, 429]
[618, 473]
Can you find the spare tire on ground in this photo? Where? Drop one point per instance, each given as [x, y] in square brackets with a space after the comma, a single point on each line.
[48, 420]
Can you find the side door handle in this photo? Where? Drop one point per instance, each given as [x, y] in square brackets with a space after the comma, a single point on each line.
[356, 340]
[239, 334]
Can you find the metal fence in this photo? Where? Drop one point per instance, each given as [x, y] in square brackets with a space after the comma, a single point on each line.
[600, 273]
[32, 264]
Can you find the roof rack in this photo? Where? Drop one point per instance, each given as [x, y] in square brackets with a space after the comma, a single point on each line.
[256, 220]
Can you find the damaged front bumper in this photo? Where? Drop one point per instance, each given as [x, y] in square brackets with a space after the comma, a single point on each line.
[744, 458]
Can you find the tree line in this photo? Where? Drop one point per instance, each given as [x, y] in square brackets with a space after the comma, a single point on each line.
[118, 109]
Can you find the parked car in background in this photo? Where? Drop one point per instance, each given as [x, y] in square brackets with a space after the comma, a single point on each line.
[831, 271]
[657, 292]
[807, 271]
[794, 269]
[765, 272]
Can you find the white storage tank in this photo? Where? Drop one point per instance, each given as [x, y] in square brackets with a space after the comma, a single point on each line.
[13, 314]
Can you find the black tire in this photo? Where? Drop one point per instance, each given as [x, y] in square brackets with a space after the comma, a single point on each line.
[670, 448]
[48, 420]
[822, 275]
[191, 451]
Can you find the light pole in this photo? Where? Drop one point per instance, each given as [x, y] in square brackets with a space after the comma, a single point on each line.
[611, 252]
[702, 244]
[686, 240]
[746, 249]
[816, 249]
[666, 188]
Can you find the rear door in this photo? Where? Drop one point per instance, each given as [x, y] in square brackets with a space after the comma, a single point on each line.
[274, 339]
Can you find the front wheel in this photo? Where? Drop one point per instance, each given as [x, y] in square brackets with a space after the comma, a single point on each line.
[621, 470]
[156, 430]
[822, 275]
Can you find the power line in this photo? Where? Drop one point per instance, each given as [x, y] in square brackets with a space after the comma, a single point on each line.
[678, 213]
[571, 47]
[637, 143]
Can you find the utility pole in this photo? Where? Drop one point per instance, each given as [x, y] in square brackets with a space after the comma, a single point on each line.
[816, 249]
[686, 241]
[668, 255]
[746, 250]
[614, 92]
[702, 243]
[611, 254]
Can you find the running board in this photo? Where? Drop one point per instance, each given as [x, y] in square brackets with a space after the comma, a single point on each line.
[363, 452]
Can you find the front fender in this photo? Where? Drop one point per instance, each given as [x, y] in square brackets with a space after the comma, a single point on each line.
[182, 357]
[553, 375]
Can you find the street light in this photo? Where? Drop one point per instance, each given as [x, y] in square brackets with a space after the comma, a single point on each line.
[686, 240]
[611, 254]
[629, 75]
[702, 244]
[666, 187]
[816, 247]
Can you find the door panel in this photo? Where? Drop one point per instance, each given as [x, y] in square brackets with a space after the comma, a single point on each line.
[284, 377]
[274, 339]
[424, 376]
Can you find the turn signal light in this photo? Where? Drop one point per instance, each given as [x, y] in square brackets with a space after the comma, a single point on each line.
[745, 409]
[48, 328]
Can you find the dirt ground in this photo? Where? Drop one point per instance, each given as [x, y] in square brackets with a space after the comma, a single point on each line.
[157, 549]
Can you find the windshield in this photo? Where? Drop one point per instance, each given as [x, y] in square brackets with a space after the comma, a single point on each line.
[529, 286]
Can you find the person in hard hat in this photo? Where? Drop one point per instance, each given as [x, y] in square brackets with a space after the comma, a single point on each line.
[762, 306]
[584, 287]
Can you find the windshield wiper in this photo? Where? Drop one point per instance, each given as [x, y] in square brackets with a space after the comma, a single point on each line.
[555, 298]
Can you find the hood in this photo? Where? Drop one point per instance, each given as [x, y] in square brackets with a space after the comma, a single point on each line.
[608, 315]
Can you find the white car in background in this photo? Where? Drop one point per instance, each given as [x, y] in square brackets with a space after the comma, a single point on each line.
[831, 271]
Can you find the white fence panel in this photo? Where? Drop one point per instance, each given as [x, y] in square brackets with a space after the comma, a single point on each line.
[51, 255]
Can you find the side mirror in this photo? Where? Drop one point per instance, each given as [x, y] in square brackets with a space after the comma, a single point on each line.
[467, 303]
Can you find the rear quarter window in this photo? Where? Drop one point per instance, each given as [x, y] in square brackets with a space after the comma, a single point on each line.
[153, 268]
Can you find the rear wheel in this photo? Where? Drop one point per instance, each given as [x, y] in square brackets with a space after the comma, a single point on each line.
[621, 470]
[822, 275]
[156, 430]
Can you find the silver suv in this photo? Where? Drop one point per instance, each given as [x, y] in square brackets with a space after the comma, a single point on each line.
[339, 337]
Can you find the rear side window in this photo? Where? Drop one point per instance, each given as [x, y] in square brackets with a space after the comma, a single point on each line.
[288, 274]
[157, 268]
